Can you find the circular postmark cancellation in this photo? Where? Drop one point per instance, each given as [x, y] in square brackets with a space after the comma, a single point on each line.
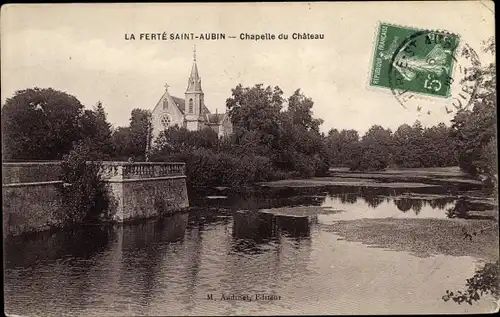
[423, 68]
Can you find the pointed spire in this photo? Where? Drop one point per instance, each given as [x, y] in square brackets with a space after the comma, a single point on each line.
[194, 82]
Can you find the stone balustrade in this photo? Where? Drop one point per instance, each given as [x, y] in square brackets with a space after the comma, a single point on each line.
[116, 171]
[30, 172]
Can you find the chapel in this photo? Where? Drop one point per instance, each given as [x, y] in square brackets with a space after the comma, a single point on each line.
[189, 112]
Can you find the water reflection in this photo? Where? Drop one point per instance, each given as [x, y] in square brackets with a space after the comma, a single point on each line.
[358, 202]
[50, 246]
[384, 208]
[262, 227]
[167, 266]
[463, 208]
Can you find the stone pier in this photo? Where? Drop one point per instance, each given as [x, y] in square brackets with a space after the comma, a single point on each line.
[143, 190]
[31, 199]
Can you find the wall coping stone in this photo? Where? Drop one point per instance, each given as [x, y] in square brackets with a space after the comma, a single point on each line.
[32, 184]
[144, 179]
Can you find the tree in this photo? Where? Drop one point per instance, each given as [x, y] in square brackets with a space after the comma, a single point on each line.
[97, 132]
[121, 144]
[374, 152]
[475, 129]
[300, 148]
[300, 111]
[132, 140]
[403, 147]
[140, 131]
[256, 109]
[439, 147]
[40, 124]
[342, 146]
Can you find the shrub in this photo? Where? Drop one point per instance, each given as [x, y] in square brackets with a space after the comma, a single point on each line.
[85, 196]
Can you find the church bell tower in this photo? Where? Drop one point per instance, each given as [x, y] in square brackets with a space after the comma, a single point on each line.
[194, 103]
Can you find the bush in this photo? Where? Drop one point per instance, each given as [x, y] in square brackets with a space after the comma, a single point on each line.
[85, 196]
[204, 167]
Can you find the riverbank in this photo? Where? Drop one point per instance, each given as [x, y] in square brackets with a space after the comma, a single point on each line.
[391, 178]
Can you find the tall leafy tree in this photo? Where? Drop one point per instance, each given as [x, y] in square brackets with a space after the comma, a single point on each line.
[97, 132]
[300, 111]
[132, 141]
[257, 110]
[40, 124]
[374, 151]
[475, 129]
[121, 143]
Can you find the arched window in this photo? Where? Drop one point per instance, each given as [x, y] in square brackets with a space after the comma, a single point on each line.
[165, 103]
[165, 121]
[191, 105]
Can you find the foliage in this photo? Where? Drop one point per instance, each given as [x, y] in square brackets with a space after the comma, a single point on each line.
[256, 111]
[43, 124]
[176, 140]
[300, 112]
[342, 146]
[132, 141]
[121, 143]
[475, 129]
[485, 281]
[409, 146]
[84, 194]
[374, 150]
[40, 124]
[205, 167]
[98, 132]
[289, 138]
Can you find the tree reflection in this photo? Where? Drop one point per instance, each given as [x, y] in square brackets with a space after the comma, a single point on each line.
[403, 204]
[463, 207]
[373, 200]
[406, 204]
[417, 205]
[440, 203]
[349, 198]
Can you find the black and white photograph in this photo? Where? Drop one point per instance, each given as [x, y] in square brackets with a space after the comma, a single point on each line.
[249, 159]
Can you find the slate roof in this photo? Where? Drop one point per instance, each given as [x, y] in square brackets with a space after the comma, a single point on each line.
[181, 103]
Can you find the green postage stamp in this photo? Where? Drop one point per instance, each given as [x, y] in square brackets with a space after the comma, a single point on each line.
[413, 60]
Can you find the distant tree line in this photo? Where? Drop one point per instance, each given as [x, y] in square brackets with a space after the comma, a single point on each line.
[409, 146]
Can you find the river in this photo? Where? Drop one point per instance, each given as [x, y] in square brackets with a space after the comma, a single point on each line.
[223, 257]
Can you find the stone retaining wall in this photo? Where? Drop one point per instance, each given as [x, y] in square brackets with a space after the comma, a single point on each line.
[31, 198]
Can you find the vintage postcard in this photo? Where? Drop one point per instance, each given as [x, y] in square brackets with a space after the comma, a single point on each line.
[249, 159]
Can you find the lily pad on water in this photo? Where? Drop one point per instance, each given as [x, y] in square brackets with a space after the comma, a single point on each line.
[300, 211]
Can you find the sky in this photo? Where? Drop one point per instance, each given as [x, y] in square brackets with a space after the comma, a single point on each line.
[81, 49]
